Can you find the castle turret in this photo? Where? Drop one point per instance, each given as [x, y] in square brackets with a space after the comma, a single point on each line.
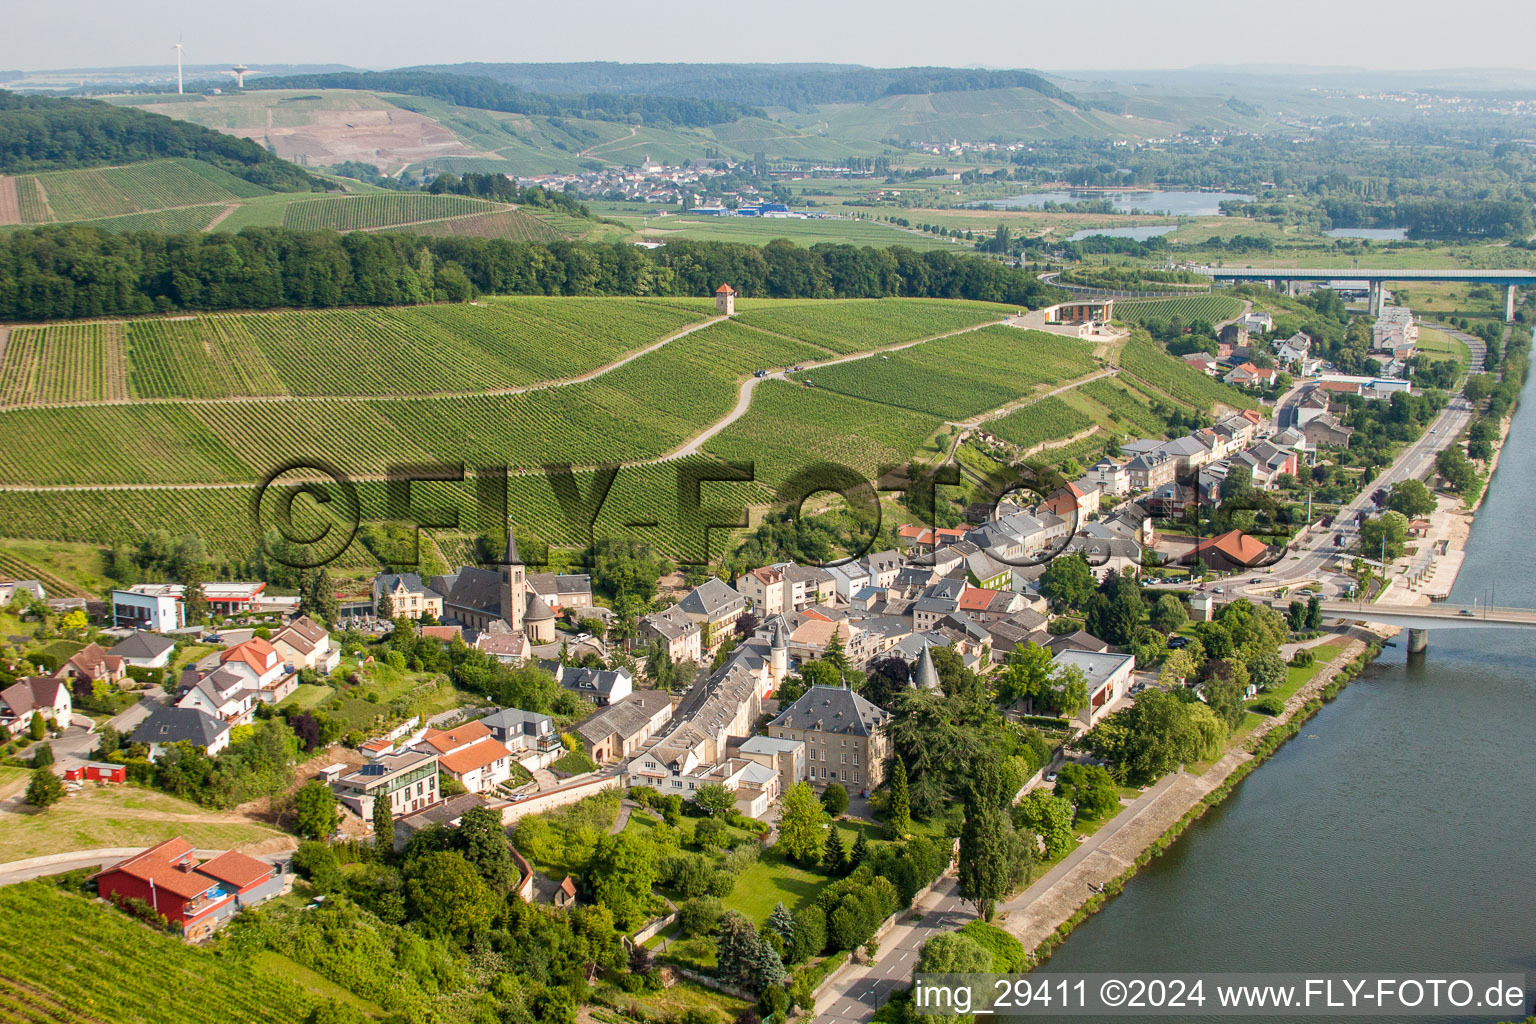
[925, 676]
[778, 656]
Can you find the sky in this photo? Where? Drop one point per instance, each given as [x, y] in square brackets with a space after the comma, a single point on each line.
[1376, 34]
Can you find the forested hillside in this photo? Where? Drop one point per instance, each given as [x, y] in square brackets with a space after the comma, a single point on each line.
[72, 272]
[39, 133]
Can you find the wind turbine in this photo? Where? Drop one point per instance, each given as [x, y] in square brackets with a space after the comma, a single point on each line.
[177, 47]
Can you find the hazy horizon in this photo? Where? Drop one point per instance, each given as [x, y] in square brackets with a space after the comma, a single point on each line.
[1312, 35]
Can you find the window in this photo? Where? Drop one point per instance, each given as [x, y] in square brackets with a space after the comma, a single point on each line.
[845, 759]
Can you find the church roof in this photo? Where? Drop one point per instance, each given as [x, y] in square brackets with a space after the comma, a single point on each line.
[537, 610]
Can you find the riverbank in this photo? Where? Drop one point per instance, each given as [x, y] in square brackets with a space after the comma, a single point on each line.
[1068, 899]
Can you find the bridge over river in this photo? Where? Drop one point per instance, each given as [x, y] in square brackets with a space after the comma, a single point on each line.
[1376, 277]
[1419, 618]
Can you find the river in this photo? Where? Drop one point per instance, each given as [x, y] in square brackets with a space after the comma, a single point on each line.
[1397, 833]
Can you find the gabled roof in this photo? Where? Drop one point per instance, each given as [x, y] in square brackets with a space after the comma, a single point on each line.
[160, 865]
[452, 739]
[236, 868]
[832, 709]
[173, 725]
[303, 634]
[94, 661]
[255, 652]
[709, 598]
[143, 645]
[30, 693]
[474, 756]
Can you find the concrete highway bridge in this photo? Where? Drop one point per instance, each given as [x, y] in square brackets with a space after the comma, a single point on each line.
[1375, 278]
[1419, 619]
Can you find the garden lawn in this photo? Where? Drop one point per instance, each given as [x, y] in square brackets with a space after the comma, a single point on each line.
[121, 816]
[306, 696]
[773, 879]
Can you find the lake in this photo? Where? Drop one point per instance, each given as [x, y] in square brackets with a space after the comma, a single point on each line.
[1173, 203]
[1374, 234]
[1140, 234]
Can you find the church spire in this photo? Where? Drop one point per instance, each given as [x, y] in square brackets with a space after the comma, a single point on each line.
[513, 558]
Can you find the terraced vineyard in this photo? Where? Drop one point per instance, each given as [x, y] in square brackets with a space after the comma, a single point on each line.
[1212, 308]
[103, 965]
[1125, 405]
[1039, 421]
[859, 325]
[135, 188]
[379, 210]
[1143, 358]
[68, 363]
[960, 376]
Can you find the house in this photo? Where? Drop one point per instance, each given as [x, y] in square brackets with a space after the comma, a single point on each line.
[1111, 476]
[785, 756]
[470, 753]
[1204, 362]
[1248, 375]
[715, 607]
[620, 729]
[223, 693]
[844, 737]
[524, 732]
[883, 566]
[167, 726]
[407, 781]
[1151, 469]
[145, 650]
[196, 898]
[257, 662]
[230, 597]
[601, 686]
[1073, 502]
[674, 628]
[1108, 677]
[849, 579]
[95, 663]
[408, 596]
[304, 643]
[1327, 431]
[31, 695]
[1231, 550]
[562, 591]
[1294, 349]
[97, 771]
[507, 648]
[765, 588]
[1260, 323]
[152, 606]
[1106, 550]
[806, 585]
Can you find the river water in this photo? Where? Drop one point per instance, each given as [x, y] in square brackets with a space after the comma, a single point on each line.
[1397, 833]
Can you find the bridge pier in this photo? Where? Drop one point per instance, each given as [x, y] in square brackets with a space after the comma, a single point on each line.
[1418, 641]
[1375, 300]
[1509, 303]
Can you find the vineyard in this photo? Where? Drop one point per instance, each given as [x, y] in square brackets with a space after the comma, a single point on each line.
[859, 325]
[1143, 358]
[180, 221]
[960, 376]
[1127, 406]
[512, 225]
[102, 965]
[1045, 420]
[379, 210]
[136, 188]
[68, 363]
[1211, 308]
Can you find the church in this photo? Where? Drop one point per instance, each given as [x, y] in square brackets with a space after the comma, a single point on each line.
[496, 601]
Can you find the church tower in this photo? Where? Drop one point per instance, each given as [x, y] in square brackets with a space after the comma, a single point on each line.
[514, 586]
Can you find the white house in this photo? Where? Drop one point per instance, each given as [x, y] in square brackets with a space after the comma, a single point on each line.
[145, 650]
[1108, 676]
[182, 725]
[31, 695]
[154, 606]
[471, 754]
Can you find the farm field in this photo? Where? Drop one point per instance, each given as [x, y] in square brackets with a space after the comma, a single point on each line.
[962, 375]
[1039, 421]
[379, 210]
[1124, 405]
[134, 188]
[1144, 359]
[1211, 308]
[103, 964]
[67, 363]
[762, 230]
[859, 325]
[512, 225]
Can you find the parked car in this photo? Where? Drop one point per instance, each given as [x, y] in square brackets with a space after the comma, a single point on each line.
[1257, 579]
[1217, 590]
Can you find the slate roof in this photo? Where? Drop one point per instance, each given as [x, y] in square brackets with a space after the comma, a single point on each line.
[710, 598]
[832, 709]
[143, 645]
[173, 725]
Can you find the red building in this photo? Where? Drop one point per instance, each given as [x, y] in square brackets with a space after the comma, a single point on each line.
[97, 771]
[198, 898]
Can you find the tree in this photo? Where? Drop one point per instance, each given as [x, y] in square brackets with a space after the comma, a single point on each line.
[986, 842]
[447, 896]
[44, 790]
[621, 874]
[1385, 535]
[1168, 613]
[835, 799]
[1025, 673]
[1454, 467]
[1115, 612]
[736, 950]
[834, 858]
[782, 923]
[38, 727]
[801, 823]
[1267, 671]
[1412, 499]
[314, 808]
[641, 960]
[699, 915]
[1090, 789]
[1067, 691]
[1067, 582]
[482, 839]
[386, 605]
[835, 656]
[318, 600]
[75, 620]
[43, 755]
[860, 851]
[195, 603]
[955, 953]
[1314, 613]
[383, 827]
[898, 817]
[714, 799]
[1296, 616]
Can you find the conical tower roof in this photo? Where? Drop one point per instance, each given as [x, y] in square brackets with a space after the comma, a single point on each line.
[925, 677]
[537, 610]
[513, 558]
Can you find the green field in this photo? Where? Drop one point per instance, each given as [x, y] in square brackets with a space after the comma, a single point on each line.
[135, 188]
[102, 965]
[1039, 421]
[65, 363]
[380, 210]
[1144, 359]
[762, 230]
[960, 376]
[861, 325]
[513, 225]
[1210, 308]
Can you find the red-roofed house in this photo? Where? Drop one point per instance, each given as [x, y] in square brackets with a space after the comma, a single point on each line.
[263, 668]
[925, 538]
[1248, 375]
[30, 695]
[168, 881]
[1072, 500]
[1231, 550]
[470, 753]
[983, 604]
